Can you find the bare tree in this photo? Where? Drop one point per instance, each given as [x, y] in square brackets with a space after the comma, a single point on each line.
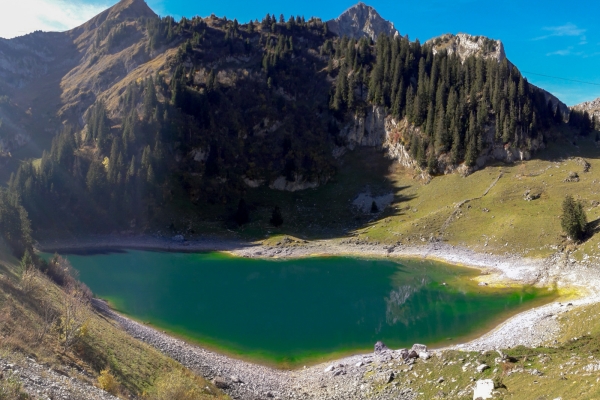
[74, 316]
[48, 316]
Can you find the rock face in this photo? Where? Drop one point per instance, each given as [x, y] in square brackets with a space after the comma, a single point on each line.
[592, 107]
[360, 21]
[465, 46]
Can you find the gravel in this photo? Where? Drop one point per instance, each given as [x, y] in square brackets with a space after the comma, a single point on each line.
[45, 383]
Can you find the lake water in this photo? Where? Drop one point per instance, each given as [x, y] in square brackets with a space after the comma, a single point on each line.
[297, 311]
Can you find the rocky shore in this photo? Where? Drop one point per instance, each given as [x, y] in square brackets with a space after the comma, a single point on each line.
[354, 377]
[369, 375]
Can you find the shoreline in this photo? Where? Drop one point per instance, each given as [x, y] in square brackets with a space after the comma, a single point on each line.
[531, 328]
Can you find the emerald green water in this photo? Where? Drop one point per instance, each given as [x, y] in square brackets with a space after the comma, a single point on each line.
[293, 311]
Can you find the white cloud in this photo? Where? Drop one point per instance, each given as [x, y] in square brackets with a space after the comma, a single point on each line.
[568, 29]
[564, 52]
[20, 17]
[583, 40]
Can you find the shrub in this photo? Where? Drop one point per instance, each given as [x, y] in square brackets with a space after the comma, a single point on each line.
[108, 382]
[176, 386]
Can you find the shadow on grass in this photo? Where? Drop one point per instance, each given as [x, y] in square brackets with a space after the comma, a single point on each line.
[328, 211]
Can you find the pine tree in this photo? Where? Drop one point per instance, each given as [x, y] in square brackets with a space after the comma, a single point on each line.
[276, 217]
[573, 220]
[242, 215]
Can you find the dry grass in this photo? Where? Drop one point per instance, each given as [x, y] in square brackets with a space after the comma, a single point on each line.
[34, 322]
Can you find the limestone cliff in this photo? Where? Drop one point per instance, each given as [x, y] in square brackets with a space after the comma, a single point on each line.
[465, 46]
[360, 21]
[592, 107]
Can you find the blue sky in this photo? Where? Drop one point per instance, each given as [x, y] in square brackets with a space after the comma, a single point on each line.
[555, 38]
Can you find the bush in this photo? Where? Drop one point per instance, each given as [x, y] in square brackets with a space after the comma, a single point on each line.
[108, 382]
[12, 389]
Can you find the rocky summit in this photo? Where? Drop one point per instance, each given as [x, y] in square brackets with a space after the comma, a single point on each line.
[360, 21]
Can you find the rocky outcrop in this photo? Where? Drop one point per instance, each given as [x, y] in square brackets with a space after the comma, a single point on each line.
[465, 46]
[377, 129]
[592, 107]
[299, 183]
[360, 21]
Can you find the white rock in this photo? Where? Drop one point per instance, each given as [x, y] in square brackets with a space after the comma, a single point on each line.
[424, 355]
[482, 367]
[359, 364]
[483, 389]
[329, 369]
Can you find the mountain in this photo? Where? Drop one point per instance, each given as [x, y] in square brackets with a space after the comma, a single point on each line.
[359, 21]
[132, 121]
[49, 79]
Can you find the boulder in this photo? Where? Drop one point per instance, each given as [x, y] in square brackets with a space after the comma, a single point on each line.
[424, 355]
[221, 382]
[413, 354]
[380, 347]
[483, 389]
[385, 377]
[329, 369]
[482, 367]
[404, 353]
[419, 348]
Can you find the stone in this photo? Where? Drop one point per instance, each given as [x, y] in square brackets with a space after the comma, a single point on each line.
[359, 364]
[418, 348]
[413, 354]
[220, 382]
[424, 355]
[386, 377]
[440, 379]
[483, 389]
[536, 372]
[404, 353]
[235, 379]
[482, 367]
[178, 238]
[329, 369]
[380, 347]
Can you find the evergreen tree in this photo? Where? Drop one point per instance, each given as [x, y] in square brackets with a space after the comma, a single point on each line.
[242, 215]
[573, 220]
[276, 217]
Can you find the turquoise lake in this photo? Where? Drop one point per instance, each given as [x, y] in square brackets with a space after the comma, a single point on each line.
[289, 312]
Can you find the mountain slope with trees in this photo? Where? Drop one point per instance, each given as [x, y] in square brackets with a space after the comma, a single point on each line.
[161, 117]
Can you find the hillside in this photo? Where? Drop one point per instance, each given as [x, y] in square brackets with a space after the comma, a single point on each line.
[155, 123]
[56, 340]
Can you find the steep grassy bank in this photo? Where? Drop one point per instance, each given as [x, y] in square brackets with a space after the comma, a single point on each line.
[35, 315]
